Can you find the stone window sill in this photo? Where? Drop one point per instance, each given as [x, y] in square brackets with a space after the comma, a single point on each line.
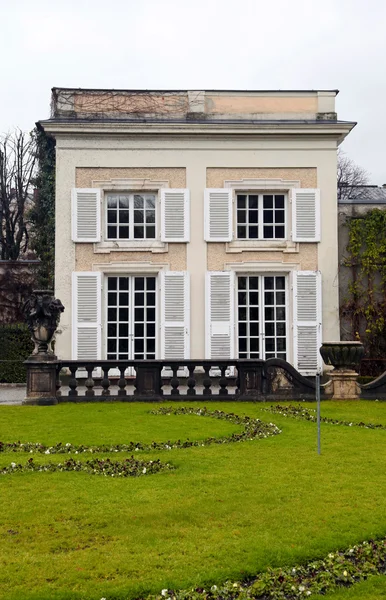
[131, 246]
[238, 246]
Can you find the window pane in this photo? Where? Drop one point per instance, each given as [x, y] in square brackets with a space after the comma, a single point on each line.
[150, 216]
[269, 283]
[242, 281]
[123, 201]
[279, 201]
[150, 283]
[150, 202]
[279, 216]
[123, 216]
[242, 298]
[111, 232]
[280, 283]
[150, 298]
[123, 298]
[269, 313]
[269, 298]
[139, 330]
[123, 314]
[253, 283]
[139, 283]
[241, 201]
[138, 232]
[270, 345]
[267, 201]
[242, 329]
[112, 298]
[112, 330]
[123, 345]
[111, 202]
[241, 232]
[279, 232]
[123, 283]
[253, 232]
[254, 314]
[139, 298]
[268, 232]
[112, 314]
[111, 216]
[253, 201]
[281, 344]
[280, 297]
[254, 329]
[241, 216]
[123, 232]
[242, 314]
[138, 201]
[280, 329]
[150, 330]
[253, 216]
[150, 314]
[242, 344]
[270, 329]
[138, 216]
[123, 329]
[280, 314]
[111, 345]
[254, 298]
[139, 314]
[150, 345]
[268, 216]
[112, 283]
[254, 344]
[150, 232]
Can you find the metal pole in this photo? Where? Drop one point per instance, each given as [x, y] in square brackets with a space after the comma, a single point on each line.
[317, 385]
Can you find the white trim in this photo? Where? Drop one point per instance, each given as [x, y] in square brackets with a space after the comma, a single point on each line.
[130, 267]
[260, 267]
[261, 184]
[127, 184]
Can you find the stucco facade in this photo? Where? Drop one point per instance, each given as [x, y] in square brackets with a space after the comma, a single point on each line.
[244, 142]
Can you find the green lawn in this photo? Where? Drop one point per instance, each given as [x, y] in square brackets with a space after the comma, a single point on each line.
[226, 512]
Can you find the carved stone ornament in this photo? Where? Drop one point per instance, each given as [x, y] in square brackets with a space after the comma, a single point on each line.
[342, 355]
[42, 315]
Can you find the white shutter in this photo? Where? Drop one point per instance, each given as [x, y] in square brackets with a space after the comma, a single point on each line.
[307, 305]
[306, 215]
[175, 311]
[218, 215]
[175, 215]
[86, 209]
[86, 316]
[219, 342]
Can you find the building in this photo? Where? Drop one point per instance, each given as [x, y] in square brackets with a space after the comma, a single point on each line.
[196, 224]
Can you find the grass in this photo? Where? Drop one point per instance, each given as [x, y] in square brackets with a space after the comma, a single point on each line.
[372, 589]
[227, 511]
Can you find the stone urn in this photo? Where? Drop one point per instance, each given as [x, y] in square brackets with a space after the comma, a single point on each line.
[42, 314]
[345, 357]
[342, 355]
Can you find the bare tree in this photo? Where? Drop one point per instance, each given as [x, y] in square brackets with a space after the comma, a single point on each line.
[17, 169]
[350, 176]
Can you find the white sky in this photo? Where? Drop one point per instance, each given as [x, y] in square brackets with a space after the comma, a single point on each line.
[202, 44]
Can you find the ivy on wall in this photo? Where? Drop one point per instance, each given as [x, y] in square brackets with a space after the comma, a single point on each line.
[365, 305]
[42, 214]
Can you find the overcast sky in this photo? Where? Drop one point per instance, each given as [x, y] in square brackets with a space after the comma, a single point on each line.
[201, 44]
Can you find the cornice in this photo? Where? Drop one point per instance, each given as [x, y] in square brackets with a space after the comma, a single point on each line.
[336, 129]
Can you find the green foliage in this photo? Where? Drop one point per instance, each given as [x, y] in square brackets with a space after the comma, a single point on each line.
[366, 305]
[42, 215]
[15, 347]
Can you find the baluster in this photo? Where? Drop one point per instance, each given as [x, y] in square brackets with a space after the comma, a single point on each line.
[191, 382]
[105, 382]
[89, 383]
[73, 384]
[175, 382]
[207, 382]
[223, 391]
[122, 383]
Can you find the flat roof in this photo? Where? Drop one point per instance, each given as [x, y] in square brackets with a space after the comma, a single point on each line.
[171, 91]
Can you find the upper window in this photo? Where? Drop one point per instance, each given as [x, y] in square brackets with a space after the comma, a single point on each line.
[131, 216]
[261, 216]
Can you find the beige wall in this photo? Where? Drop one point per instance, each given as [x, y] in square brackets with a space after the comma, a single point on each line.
[174, 259]
[85, 177]
[216, 104]
[204, 161]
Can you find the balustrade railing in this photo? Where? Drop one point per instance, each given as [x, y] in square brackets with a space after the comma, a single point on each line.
[155, 380]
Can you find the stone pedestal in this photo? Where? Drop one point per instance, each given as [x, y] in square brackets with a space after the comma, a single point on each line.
[41, 380]
[250, 379]
[344, 384]
[148, 384]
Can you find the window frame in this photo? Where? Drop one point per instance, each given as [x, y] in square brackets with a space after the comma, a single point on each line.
[131, 224]
[260, 216]
[261, 306]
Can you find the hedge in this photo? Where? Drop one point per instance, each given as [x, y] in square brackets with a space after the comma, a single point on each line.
[15, 347]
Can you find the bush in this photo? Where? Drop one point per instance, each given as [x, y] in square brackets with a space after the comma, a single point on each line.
[15, 347]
